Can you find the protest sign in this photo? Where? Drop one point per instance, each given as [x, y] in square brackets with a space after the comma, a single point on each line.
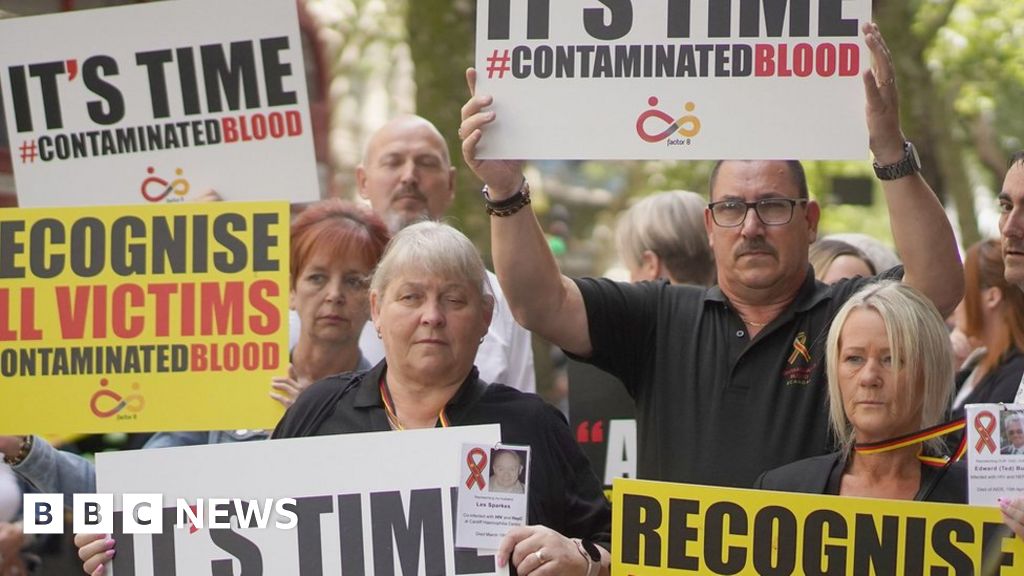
[142, 318]
[995, 452]
[111, 109]
[601, 414]
[668, 529]
[382, 503]
[673, 80]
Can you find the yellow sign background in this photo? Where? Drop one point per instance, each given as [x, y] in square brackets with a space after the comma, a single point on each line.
[685, 527]
[137, 282]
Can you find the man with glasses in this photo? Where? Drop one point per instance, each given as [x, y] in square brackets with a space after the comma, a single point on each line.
[1015, 434]
[729, 381]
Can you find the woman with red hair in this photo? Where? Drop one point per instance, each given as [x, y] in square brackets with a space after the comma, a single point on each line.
[991, 315]
[335, 246]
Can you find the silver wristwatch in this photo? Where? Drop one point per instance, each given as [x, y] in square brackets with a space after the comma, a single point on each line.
[909, 164]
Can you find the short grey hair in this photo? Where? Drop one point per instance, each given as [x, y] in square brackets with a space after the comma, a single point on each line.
[881, 256]
[670, 224]
[918, 342]
[1014, 417]
[432, 248]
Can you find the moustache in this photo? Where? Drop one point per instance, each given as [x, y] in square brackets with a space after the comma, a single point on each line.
[408, 192]
[755, 245]
[1010, 246]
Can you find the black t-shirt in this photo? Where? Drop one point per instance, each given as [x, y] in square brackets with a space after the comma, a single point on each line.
[564, 493]
[713, 406]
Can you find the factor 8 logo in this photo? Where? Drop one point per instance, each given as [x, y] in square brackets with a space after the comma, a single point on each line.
[687, 125]
[106, 403]
[156, 189]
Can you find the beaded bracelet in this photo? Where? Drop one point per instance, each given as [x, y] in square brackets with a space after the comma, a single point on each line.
[23, 450]
[510, 205]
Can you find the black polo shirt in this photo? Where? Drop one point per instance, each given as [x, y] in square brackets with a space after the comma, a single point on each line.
[713, 406]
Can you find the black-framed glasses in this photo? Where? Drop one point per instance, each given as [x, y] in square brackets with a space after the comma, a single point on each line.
[771, 211]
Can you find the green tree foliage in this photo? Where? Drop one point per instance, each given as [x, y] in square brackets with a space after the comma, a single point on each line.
[441, 40]
[978, 54]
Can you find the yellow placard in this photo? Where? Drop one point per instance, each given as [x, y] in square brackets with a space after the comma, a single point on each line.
[663, 529]
[142, 318]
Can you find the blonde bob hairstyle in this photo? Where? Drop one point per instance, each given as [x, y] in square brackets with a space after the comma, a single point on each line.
[670, 224]
[918, 343]
[432, 249]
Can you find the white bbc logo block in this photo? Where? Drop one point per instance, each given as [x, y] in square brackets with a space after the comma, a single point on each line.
[142, 513]
[93, 513]
[43, 514]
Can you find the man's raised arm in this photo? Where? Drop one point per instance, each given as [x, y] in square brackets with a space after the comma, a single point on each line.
[920, 227]
[541, 298]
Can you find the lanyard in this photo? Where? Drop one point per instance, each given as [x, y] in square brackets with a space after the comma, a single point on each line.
[389, 407]
[917, 438]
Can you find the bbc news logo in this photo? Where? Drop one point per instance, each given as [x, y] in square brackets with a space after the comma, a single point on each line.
[144, 513]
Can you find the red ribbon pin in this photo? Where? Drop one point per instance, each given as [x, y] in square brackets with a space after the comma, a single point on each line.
[985, 431]
[476, 468]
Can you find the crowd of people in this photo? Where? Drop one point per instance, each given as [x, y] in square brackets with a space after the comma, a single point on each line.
[757, 355]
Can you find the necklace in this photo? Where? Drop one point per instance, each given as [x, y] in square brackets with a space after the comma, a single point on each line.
[756, 324]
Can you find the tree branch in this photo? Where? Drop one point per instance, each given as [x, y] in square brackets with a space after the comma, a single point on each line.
[986, 144]
[931, 28]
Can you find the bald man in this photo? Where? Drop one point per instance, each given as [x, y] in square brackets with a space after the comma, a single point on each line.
[406, 173]
[407, 176]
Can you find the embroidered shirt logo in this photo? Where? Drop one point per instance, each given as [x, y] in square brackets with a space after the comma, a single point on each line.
[799, 371]
[800, 349]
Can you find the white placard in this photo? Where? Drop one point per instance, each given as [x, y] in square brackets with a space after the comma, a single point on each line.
[674, 79]
[995, 452]
[378, 503]
[158, 102]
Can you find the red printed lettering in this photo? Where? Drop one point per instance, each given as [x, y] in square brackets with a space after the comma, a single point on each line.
[72, 315]
[764, 60]
[269, 319]
[219, 310]
[125, 295]
[162, 293]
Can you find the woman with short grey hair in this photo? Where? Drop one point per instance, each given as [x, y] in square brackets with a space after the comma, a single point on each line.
[436, 249]
[431, 305]
[662, 237]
